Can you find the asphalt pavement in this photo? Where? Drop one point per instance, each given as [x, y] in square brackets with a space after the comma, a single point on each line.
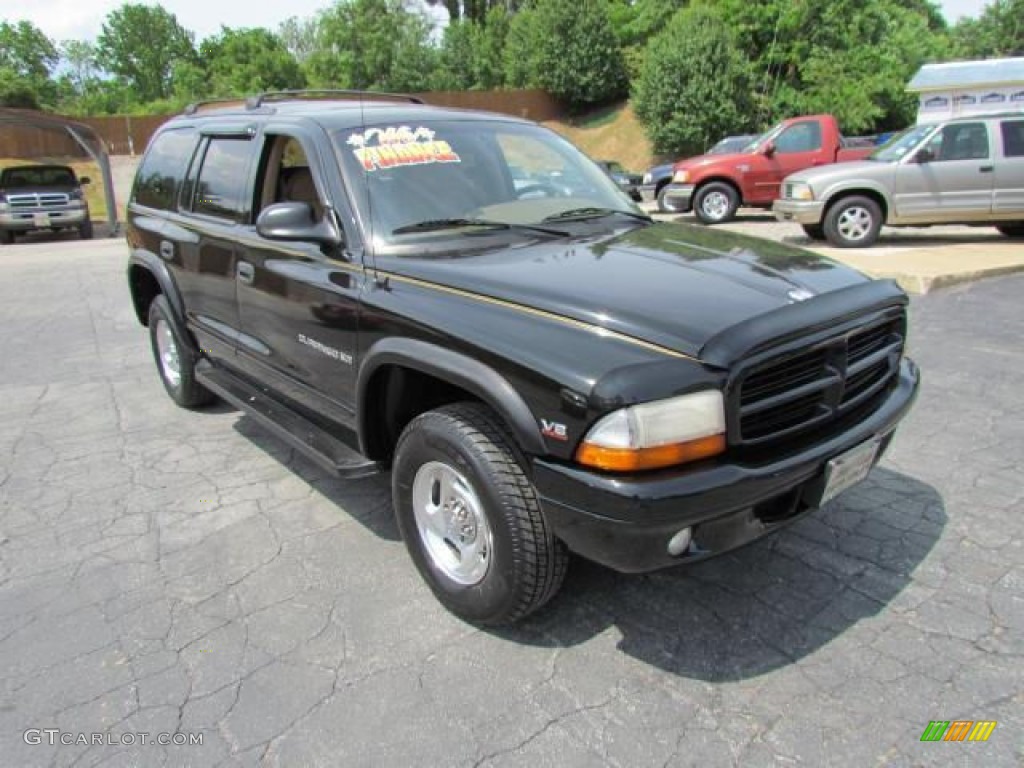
[166, 571]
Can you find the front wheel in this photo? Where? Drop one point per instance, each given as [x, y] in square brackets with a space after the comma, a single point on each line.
[85, 230]
[471, 518]
[716, 203]
[6, 237]
[853, 222]
[1011, 230]
[175, 357]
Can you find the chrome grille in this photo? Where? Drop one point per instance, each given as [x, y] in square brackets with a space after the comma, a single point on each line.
[38, 200]
[794, 392]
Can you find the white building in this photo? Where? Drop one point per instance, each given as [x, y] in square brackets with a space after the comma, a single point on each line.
[968, 88]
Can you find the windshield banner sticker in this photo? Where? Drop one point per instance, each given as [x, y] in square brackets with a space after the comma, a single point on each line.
[396, 146]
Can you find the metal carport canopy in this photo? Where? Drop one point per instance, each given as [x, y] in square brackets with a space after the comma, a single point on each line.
[84, 136]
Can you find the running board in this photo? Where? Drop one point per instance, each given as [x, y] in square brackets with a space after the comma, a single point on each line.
[296, 430]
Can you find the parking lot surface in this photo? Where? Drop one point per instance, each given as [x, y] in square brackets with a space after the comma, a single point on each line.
[165, 571]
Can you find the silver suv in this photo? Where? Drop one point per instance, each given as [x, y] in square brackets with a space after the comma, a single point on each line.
[969, 170]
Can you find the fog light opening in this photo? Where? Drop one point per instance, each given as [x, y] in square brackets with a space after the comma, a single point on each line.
[679, 543]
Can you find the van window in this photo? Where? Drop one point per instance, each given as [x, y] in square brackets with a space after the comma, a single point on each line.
[220, 190]
[1013, 137]
[159, 176]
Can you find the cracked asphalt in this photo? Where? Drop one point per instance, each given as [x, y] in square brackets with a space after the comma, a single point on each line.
[172, 571]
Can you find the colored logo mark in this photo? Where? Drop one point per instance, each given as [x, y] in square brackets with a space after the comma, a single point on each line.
[958, 730]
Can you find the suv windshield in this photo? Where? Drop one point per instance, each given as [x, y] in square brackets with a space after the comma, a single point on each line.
[900, 144]
[41, 176]
[440, 179]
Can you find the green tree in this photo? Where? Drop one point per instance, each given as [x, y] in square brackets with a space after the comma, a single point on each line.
[457, 57]
[567, 47]
[141, 44]
[299, 37]
[371, 44]
[694, 85]
[27, 57]
[999, 31]
[243, 61]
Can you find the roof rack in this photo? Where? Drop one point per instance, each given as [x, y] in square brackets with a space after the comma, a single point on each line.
[195, 106]
[255, 102]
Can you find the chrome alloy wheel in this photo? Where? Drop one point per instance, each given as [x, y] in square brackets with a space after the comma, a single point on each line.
[451, 523]
[167, 350]
[854, 223]
[715, 205]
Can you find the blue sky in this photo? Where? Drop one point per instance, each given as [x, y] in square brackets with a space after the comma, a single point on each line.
[81, 19]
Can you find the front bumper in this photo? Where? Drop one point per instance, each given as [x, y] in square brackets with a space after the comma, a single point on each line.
[625, 522]
[648, 192]
[26, 221]
[678, 197]
[800, 211]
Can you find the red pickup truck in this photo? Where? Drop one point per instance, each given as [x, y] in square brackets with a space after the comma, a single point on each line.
[714, 186]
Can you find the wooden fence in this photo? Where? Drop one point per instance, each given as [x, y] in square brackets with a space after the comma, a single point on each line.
[126, 135]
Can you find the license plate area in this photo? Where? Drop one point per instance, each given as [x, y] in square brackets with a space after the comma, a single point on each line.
[849, 468]
[41, 219]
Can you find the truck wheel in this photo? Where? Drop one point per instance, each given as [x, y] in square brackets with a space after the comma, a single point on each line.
[814, 231]
[664, 206]
[6, 237]
[1011, 230]
[471, 518]
[175, 357]
[853, 222]
[85, 230]
[716, 202]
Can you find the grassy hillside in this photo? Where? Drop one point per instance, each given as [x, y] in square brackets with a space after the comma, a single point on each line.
[611, 133]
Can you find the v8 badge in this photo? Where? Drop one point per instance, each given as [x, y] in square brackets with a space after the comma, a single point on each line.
[554, 430]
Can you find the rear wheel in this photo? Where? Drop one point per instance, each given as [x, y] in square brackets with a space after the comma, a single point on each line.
[471, 518]
[716, 202]
[1015, 229]
[175, 357]
[814, 231]
[853, 222]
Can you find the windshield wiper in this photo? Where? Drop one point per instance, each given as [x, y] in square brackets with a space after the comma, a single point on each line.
[434, 225]
[578, 214]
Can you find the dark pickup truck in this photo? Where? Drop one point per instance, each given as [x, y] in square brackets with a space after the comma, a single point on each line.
[42, 197]
[542, 368]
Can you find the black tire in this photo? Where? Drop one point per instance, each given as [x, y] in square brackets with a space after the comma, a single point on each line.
[853, 222]
[525, 563]
[85, 230]
[814, 231]
[6, 237]
[1011, 230]
[185, 391]
[716, 203]
[664, 206]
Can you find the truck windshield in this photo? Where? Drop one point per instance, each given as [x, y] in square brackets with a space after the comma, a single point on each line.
[41, 176]
[900, 144]
[445, 179]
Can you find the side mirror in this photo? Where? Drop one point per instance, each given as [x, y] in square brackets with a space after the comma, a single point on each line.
[294, 221]
[768, 149]
[85, 180]
[924, 155]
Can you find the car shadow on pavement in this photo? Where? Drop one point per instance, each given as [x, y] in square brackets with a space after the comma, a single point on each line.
[761, 607]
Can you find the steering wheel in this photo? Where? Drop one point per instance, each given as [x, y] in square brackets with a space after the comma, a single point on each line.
[546, 190]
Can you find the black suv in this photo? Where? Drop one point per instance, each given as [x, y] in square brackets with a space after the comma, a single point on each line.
[542, 367]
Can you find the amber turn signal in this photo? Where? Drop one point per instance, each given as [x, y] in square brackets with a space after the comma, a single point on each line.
[656, 457]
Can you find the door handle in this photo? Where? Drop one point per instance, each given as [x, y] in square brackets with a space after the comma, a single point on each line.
[166, 250]
[987, 168]
[245, 272]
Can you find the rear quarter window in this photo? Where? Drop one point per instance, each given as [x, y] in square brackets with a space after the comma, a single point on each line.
[1013, 137]
[163, 168]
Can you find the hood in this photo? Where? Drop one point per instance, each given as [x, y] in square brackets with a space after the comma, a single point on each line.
[860, 169]
[38, 189]
[695, 162]
[675, 285]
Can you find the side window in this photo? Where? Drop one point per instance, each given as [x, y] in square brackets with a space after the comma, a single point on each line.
[220, 187]
[800, 137]
[960, 141]
[160, 175]
[1013, 137]
[285, 175]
